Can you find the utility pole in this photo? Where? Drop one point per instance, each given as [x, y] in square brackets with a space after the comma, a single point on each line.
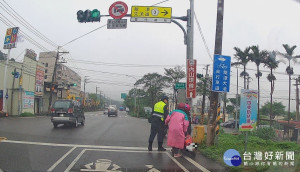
[297, 97]
[99, 95]
[214, 95]
[204, 94]
[84, 82]
[54, 77]
[190, 38]
[4, 83]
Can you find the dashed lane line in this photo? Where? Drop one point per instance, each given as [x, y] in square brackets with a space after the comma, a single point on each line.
[196, 164]
[61, 159]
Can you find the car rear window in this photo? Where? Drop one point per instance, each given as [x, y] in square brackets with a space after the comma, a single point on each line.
[62, 104]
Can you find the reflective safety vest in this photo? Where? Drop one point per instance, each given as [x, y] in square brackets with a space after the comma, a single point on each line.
[159, 109]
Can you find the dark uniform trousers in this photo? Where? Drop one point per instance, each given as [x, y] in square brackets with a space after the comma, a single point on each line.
[157, 128]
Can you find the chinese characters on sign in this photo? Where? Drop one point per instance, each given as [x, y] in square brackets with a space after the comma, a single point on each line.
[11, 38]
[248, 110]
[221, 73]
[151, 14]
[39, 81]
[28, 100]
[191, 79]
[269, 158]
[116, 23]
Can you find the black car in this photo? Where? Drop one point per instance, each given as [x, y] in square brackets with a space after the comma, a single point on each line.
[67, 112]
[230, 124]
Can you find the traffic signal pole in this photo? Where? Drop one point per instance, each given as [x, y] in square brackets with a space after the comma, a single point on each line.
[4, 83]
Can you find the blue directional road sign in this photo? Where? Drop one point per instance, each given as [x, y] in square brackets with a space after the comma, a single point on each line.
[221, 73]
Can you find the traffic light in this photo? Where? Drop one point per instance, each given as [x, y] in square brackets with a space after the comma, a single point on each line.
[71, 85]
[88, 16]
[199, 75]
[15, 74]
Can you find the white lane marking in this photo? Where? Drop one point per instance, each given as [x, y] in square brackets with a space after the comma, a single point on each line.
[176, 162]
[132, 151]
[80, 146]
[1, 170]
[84, 150]
[196, 164]
[61, 159]
[75, 160]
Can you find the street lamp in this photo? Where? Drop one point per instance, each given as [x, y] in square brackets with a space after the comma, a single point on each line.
[134, 93]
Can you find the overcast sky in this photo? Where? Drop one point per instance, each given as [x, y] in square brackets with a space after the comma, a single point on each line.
[267, 23]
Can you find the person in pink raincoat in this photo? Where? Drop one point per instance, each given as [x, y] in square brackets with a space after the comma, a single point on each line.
[178, 125]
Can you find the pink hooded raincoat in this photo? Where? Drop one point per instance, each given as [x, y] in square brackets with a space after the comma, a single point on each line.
[178, 124]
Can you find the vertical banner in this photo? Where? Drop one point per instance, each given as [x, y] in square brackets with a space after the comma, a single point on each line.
[39, 81]
[221, 73]
[248, 110]
[191, 78]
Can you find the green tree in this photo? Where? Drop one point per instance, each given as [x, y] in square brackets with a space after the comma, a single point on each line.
[289, 55]
[258, 57]
[278, 109]
[272, 64]
[243, 59]
[153, 84]
[173, 76]
[232, 107]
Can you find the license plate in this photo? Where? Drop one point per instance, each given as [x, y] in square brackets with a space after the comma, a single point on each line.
[61, 115]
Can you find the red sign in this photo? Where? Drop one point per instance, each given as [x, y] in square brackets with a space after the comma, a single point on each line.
[118, 10]
[191, 78]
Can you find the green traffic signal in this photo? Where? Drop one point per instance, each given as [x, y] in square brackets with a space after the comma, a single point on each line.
[74, 84]
[96, 15]
[88, 16]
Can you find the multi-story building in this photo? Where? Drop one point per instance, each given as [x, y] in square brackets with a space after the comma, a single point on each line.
[64, 77]
[24, 90]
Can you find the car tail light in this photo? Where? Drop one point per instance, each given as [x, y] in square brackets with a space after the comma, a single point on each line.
[70, 110]
[52, 110]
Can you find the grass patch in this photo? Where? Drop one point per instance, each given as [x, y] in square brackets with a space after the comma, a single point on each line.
[27, 114]
[255, 143]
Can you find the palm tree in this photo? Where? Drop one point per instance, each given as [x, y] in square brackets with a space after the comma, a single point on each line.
[272, 64]
[258, 57]
[243, 59]
[289, 70]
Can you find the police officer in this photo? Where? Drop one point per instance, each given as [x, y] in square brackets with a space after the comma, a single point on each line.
[159, 114]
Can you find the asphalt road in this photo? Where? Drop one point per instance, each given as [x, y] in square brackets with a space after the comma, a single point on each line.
[103, 144]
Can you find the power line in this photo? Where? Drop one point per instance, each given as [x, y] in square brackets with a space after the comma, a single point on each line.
[107, 72]
[28, 38]
[23, 22]
[83, 35]
[160, 2]
[203, 38]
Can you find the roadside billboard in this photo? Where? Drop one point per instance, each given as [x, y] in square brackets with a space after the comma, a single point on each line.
[248, 110]
[39, 80]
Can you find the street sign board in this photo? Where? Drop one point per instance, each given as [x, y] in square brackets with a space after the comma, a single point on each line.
[11, 38]
[191, 78]
[151, 14]
[248, 110]
[118, 10]
[221, 73]
[123, 95]
[180, 85]
[116, 23]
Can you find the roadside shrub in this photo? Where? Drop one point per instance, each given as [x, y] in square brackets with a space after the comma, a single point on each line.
[26, 114]
[265, 133]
